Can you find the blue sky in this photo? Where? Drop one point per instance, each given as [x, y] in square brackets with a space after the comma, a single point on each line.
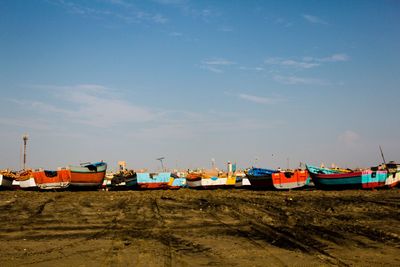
[241, 81]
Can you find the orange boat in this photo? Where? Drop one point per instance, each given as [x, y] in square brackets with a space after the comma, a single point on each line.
[290, 179]
[88, 174]
[45, 179]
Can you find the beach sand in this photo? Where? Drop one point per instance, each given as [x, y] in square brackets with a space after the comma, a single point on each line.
[200, 228]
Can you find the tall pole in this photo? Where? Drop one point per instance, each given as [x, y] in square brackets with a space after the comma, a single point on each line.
[161, 161]
[25, 138]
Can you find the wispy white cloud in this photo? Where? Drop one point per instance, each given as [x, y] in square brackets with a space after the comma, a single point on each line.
[128, 13]
[258, 99]
[314, 19]
[291, 63]
[333, 58]
[92, 105]
[216, 64]
[257, 69]
[307, 62]
[218, 61]
[295, 80]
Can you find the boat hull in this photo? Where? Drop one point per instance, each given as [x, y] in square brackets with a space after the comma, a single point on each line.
[28, 184]
[193, 180]
[218, 182]
[153, 180]
[261, 182]
[48, 180]
[176, 183]
[194, 183]
[205, 181]
[89, 175]
[260, 178]
[242, 182]
[290, 180]
[5, 182]
[373, 179]
[392, 180]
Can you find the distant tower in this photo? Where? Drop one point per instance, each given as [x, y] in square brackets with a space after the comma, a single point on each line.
[213, 164]
[25, 138]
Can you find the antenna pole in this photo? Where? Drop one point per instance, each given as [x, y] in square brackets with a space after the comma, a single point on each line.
[161, 161]
[25, 138]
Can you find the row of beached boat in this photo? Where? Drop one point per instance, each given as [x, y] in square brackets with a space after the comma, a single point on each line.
[86, 175]
[93, 176]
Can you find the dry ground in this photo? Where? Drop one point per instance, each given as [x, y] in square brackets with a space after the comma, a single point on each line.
[200, 228]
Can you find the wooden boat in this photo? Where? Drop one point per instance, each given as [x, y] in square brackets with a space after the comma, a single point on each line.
[393, 176]
[290, 179]
[88, 174]
[241, 180]
[332, 179]
[260, 178]
[126, 179]
[24, 180]
[153, 180]
[48, 180]
[222, 180]
[210, 179]
[193, 180]
[5, 181]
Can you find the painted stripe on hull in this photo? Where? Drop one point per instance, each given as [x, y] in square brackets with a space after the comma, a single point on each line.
[292, 185]
[100, 167]
[373, 179]
[57, 185]
[290, 180]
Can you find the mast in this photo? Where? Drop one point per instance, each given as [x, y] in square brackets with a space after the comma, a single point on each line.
[383, 157]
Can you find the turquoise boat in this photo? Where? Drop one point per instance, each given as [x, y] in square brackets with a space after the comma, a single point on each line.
[333, 179]
[147, 180]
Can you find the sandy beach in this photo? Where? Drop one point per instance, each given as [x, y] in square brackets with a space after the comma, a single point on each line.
[200, 228]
